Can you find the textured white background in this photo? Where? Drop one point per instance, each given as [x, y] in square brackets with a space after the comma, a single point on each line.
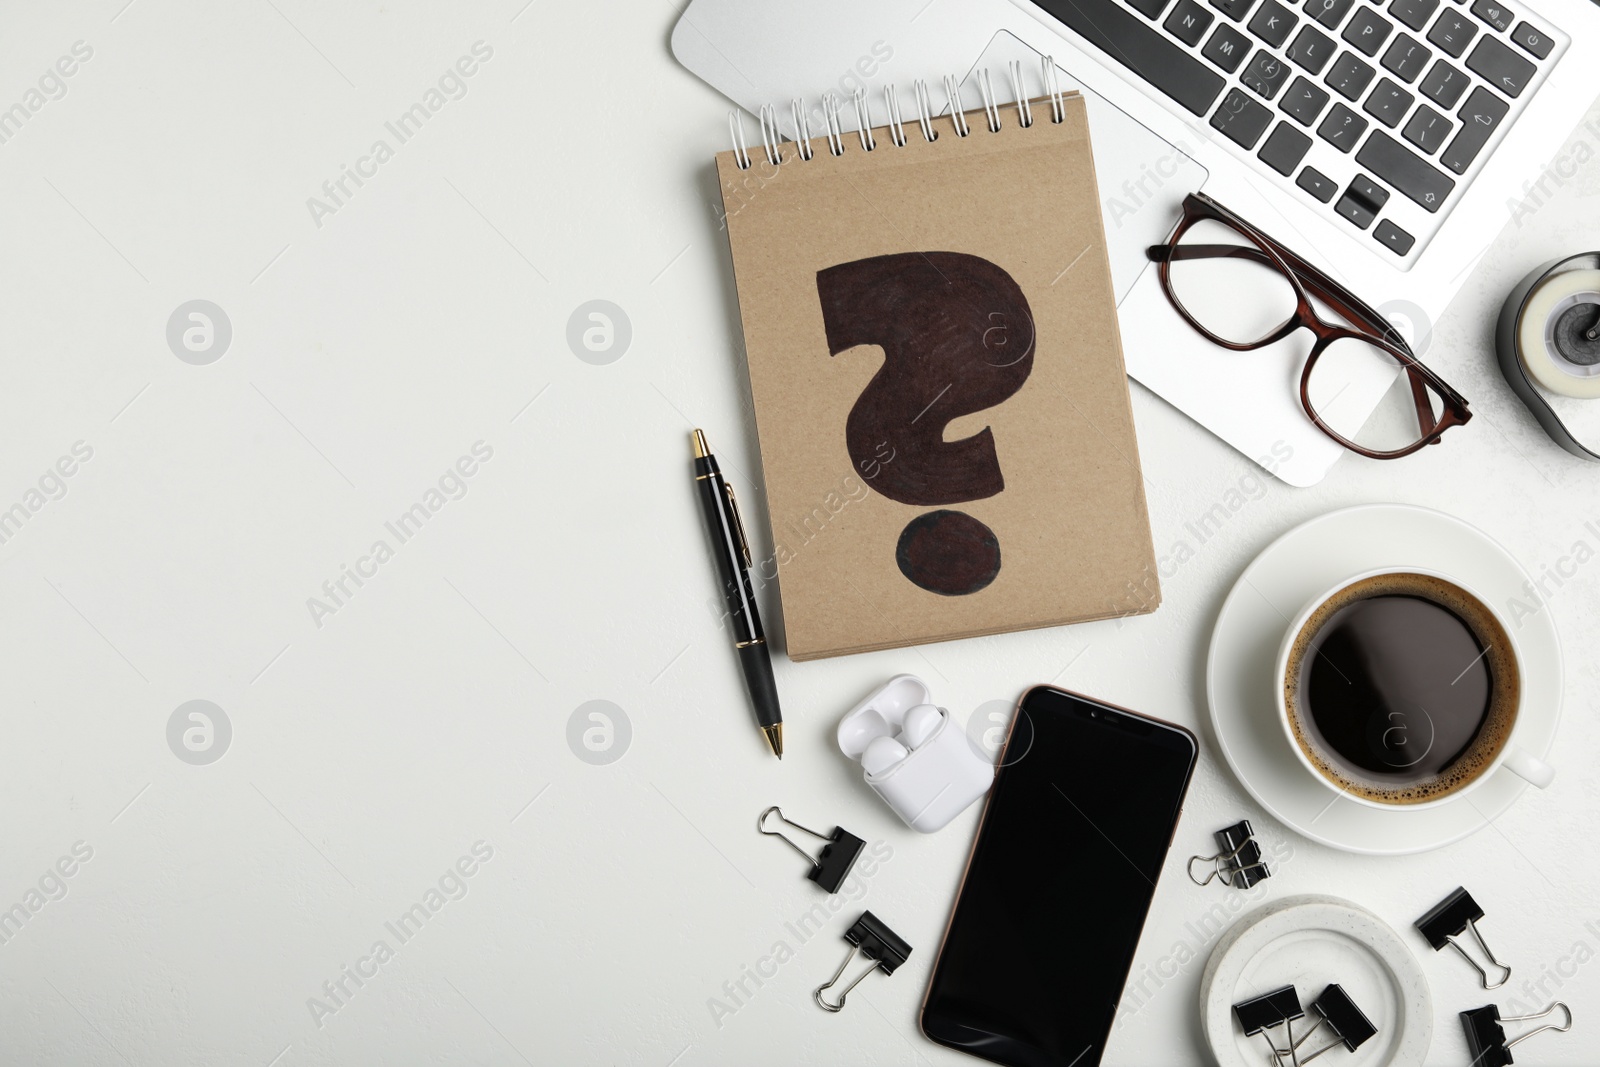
[372, 752]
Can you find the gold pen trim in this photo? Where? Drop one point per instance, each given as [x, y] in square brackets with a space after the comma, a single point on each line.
[747, 644]
[738, 523]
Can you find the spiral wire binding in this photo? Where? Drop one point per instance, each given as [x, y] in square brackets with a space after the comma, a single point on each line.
[991, 110]
[771, 139]
[1024, 108]
[952, 92]
[925, 111]
[772, 136]
[830, 113]
[864, 120]
[802, 128]
[741, 153]
[897, 128]
[1052, 86]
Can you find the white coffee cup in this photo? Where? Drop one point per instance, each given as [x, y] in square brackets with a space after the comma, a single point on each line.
[1509, 757]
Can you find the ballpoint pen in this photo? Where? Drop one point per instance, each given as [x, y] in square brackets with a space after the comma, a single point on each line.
[732, 552]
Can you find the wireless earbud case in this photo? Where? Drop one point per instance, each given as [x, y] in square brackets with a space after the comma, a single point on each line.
[938, 779]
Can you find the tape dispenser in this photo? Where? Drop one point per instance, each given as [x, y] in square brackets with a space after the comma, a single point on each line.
[1548, 343]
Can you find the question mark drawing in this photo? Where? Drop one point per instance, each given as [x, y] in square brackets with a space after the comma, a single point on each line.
[957, 337]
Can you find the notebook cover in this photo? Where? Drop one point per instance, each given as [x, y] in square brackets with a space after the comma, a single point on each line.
[943, 412]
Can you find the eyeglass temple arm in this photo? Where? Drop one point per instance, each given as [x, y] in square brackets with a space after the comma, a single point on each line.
[1342, 301]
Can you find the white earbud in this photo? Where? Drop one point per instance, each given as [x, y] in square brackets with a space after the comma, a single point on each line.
[881, 754]
[920, 724]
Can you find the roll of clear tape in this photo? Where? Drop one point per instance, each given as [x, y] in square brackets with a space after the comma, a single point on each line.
[1548, 341]
[1560, 313]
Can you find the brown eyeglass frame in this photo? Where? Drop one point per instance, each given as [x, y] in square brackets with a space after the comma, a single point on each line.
[1370, 326]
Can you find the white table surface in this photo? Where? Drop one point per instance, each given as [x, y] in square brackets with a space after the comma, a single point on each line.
[430, 711]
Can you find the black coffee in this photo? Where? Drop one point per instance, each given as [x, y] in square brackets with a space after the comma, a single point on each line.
[1402, 688]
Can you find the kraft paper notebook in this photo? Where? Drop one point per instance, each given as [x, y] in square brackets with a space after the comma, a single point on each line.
[939, 389]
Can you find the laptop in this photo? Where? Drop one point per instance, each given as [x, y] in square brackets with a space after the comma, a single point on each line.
[1387, 141]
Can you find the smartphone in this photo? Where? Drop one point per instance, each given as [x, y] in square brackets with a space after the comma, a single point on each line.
[1061, 876]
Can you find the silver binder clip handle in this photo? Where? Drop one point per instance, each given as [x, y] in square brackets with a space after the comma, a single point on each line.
[838, 1005]
[761, 824]
[1558, 1005]
[1222, 865]
[1488, 954]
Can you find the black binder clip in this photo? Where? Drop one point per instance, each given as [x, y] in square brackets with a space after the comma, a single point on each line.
[1452, 917]
[1238, 863]
[831, 866]
[1486, 1038]
[1281, 1007]
[1350, 1025]
[876, 942]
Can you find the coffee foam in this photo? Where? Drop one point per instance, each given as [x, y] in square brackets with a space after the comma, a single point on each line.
[1505, 682]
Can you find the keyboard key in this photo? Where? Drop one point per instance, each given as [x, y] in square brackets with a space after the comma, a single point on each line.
[1303, 102]
[1311, 49]
[1495, 14]
[1453, 32]
[1531, 40]
[1398, 241]
[1227, 48]
[1149, 8]
[1349, 76]
[1285, 149]
[1234, 9]
[1444, 84]
[1188, 22]
[1342, 128]
[1265, 74]
[1406, 58]
[1414, 13]
[1428, 129]
[1408, 172]
[1362, 201]
[1480, 116]
[1500, 67]
[1317, 184]
[1242, 119]
[1273, 23]
[1328, 12]
[1123, 36]
[1368, 192]
[1388, 103]
[1367, 31]
[1354, 209]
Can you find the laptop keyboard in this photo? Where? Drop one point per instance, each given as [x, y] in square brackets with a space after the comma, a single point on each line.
[1379, 111]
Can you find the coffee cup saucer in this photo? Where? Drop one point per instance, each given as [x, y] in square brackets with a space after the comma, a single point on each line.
[1309, 559]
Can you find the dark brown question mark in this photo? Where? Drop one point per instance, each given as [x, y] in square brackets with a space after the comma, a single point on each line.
[957, 337]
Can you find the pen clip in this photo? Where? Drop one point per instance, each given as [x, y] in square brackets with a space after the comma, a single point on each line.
[738, 524]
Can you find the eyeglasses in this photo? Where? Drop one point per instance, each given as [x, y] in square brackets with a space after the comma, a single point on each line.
[1243, 290]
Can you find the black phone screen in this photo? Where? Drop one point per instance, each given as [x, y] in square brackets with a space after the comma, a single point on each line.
[1072, 843]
